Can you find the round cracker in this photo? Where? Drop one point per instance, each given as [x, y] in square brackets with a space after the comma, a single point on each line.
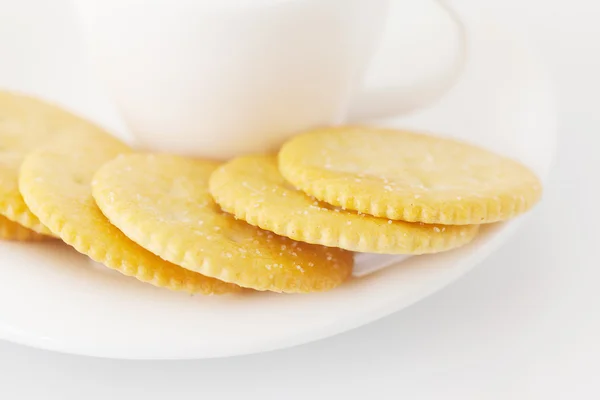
[56, 184]
[252, 189]
[26, 123]
[10, 230]
[162, 202]
[408, 176]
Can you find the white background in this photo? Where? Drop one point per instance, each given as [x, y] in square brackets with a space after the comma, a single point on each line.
[523, 325]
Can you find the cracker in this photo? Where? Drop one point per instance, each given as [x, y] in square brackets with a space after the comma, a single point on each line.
[56, 184]
[252, 189]
[26, 123]
[10, 230]
[162, 202]
[408, 176]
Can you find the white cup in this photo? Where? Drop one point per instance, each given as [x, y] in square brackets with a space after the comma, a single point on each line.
[221, 78]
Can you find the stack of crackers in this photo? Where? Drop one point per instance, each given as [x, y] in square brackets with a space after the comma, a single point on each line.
[287, 222]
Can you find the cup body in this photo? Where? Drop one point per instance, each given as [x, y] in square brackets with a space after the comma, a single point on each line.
[223, 78]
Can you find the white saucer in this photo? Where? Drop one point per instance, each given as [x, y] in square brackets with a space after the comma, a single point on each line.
[53, 298]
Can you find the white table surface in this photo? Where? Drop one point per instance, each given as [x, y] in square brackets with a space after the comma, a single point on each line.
[523, 325]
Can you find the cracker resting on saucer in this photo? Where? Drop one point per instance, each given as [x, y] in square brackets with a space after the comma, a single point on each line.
[408, 176]
[252, 189]
[56, 184]
[162, 202]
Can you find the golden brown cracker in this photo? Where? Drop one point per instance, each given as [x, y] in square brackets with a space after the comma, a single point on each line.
[408, 176]
[252, 189]
[56, 184]
[26, 123]
[162, 202]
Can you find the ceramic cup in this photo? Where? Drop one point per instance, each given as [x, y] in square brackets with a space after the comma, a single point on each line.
[221, 78]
